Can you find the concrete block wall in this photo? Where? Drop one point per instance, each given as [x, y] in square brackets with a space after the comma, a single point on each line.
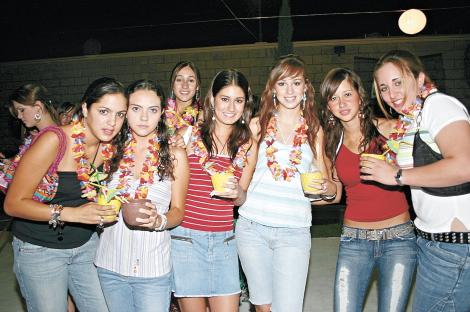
[67, 78]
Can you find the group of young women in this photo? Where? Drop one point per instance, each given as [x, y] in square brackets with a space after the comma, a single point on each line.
[166, 151]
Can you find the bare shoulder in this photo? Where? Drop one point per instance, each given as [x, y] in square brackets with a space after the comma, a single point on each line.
[385, 125]
[47, 140]
[178, 152]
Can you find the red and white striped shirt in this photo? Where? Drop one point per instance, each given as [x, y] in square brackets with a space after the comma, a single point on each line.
[203, 212]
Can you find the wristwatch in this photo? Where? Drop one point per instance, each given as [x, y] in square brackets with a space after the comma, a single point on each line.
[398, 176]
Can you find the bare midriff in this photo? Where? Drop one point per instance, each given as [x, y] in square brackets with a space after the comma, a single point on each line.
[382, 224]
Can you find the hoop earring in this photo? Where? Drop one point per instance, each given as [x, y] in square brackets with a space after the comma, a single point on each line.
[37, 116]
[390, 110]
[274, 100]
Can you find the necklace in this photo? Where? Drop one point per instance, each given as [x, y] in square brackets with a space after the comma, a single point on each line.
[284, 141]
[223, 144]
[200, 151]
[86, 171]
[149, 167]
[176, 121]
[295, 156]
[404, 123]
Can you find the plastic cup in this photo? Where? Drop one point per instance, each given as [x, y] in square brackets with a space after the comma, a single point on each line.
[376, 156]
[219, 180]
[307, 178]
[130, 211]
[113, 202]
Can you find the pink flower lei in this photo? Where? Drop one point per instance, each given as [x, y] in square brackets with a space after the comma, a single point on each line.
[200, 151]
[295, 156]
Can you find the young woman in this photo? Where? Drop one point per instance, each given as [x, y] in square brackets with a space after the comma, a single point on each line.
[34, 106]
[141, 280]
[203, 247]
[54, 240]
[183, 104]
[273, 230]
[377, 231]
[433, 142]
[65, 112]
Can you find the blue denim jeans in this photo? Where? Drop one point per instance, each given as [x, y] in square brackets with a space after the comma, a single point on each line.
[44, 275]
[395, 260]
[127, 293]
[443, 277]
[275, 261]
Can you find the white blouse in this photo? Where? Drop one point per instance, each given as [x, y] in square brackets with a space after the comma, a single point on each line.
[137, 253]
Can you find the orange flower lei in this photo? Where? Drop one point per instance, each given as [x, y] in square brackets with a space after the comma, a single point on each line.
[149, 168]
[200, 151]
[295, 156]
[175, 121]
[84, 169]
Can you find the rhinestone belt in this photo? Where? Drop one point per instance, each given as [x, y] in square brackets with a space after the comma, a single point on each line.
[378, 234]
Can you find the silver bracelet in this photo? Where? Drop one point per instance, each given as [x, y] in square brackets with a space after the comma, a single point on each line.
[163, 223]
[328, 197]
[55, 216]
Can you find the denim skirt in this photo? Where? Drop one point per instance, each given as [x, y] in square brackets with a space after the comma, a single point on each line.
[205, 264]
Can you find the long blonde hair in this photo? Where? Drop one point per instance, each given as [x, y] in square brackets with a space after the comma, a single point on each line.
[408, 63]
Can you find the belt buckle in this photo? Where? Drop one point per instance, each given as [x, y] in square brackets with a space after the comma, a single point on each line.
[376, 234]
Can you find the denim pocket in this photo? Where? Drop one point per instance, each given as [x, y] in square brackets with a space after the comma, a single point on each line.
[181, 248]
[346, 239]
[182, 238]
[27, 248]
[228, 239]
[408, 236]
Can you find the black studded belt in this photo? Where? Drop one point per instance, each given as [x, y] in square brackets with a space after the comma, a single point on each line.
[446, 237]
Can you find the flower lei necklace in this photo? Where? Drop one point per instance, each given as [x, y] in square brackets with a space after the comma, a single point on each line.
[85, 172]
[405, 122]
[295, 156]
[175, 121]
[149, 167]
[200, 151]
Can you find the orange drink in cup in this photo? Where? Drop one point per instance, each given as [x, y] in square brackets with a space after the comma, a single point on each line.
[307, 178]
[376, 156]
[219, 180]
[102, 200]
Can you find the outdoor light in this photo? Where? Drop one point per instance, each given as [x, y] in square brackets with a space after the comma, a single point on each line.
[412, 21]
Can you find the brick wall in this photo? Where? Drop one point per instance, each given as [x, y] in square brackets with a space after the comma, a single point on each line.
[67, 78]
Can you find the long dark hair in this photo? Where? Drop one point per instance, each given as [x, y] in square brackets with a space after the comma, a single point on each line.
[241, 132]
[165, 166]
[95, 91]
[28, 94]
[289, 66]
[333, 128]
[196, 102]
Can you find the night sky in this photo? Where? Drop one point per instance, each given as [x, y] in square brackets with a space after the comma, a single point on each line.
[46, 29]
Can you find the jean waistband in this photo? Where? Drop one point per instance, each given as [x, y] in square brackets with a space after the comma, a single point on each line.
[446, 237]
[378, 234]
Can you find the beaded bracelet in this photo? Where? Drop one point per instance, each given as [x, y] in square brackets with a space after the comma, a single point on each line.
[55, 216]
[163, 223]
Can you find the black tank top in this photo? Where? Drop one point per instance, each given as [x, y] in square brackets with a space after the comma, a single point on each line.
[73, 234]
